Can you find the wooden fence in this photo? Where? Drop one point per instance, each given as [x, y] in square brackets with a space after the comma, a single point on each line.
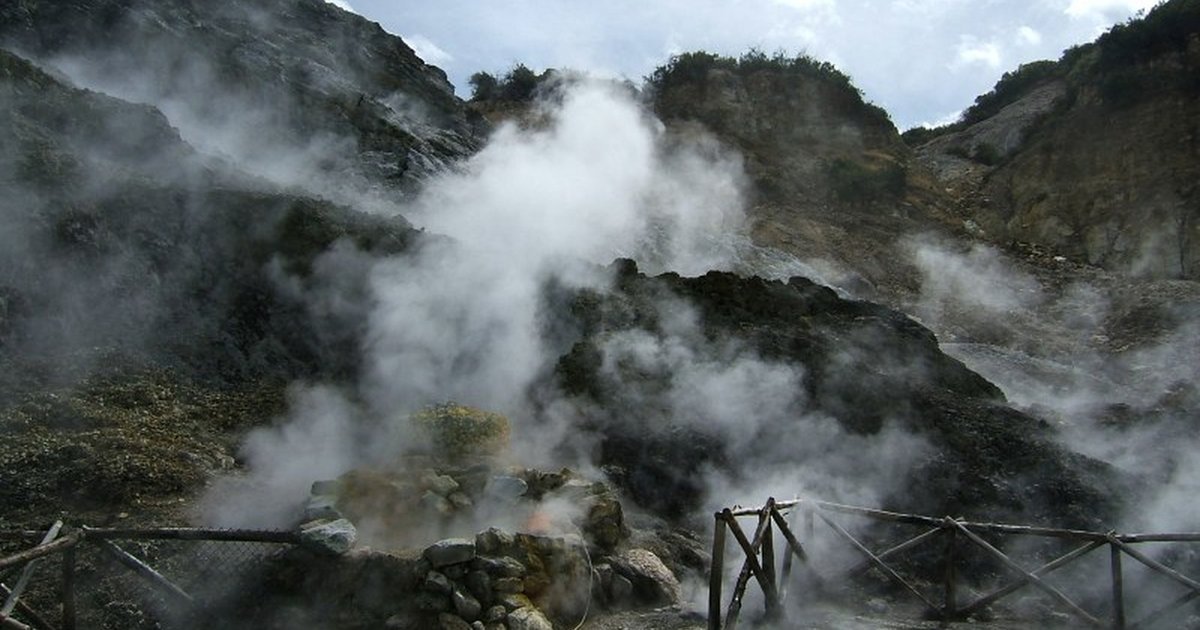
[760, 561]
[16, 614]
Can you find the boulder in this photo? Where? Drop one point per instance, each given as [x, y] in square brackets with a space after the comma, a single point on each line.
[652, 581]
[329, 537]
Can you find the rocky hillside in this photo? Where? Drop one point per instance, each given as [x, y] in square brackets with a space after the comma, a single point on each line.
[265, 83]
[1093, 157]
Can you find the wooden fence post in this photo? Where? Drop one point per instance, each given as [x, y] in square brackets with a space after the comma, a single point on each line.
[768, 565]
[1118, 588]
[716, 573]
[951, 595]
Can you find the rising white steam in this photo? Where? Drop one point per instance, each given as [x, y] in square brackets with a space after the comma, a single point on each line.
[461, 319]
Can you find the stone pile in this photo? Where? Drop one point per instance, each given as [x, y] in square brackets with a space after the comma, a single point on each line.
[516, 581]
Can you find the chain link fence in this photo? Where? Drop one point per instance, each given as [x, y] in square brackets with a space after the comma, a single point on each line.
[134, 579]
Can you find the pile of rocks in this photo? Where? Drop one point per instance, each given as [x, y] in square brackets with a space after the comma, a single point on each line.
[573, 555]
[515, 581]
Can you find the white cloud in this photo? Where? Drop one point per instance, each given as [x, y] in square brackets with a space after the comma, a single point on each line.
[428, 51]
[972, 51]
[1103, 8]
[1028, 36]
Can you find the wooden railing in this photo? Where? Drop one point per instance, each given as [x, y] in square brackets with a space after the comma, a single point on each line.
[759, 550]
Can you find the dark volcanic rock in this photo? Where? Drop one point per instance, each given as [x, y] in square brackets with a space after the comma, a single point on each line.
[862, 364]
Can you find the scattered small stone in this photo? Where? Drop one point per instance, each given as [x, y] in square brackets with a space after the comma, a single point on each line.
[455, 571]
[450, 551]
[478, 625]
[877, 605]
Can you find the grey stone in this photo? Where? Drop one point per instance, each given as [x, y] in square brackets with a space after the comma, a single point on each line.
[456, 571]
[509, 585]
[496, 613]
[480, 585]
[652, 581]
[437, 583]
[450, 551]
[528, 619]
[447, 621]
[496, 625]
[465, 605]
[478, 625]
[321, 507]
[330, 537]
[493, 540]
[502, 567]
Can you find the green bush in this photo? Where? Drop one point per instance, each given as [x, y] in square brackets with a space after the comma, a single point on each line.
[484, 86]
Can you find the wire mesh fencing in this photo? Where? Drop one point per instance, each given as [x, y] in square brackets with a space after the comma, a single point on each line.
[134, 579]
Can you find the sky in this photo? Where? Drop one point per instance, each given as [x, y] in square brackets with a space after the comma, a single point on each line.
[924, 61]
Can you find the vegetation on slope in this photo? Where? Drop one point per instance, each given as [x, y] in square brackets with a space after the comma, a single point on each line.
[1129, 62]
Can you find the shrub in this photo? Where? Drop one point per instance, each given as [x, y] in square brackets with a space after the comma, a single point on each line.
[484, 86]
[455, 430]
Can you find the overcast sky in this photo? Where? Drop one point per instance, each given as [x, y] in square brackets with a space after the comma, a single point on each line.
[922, 60]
